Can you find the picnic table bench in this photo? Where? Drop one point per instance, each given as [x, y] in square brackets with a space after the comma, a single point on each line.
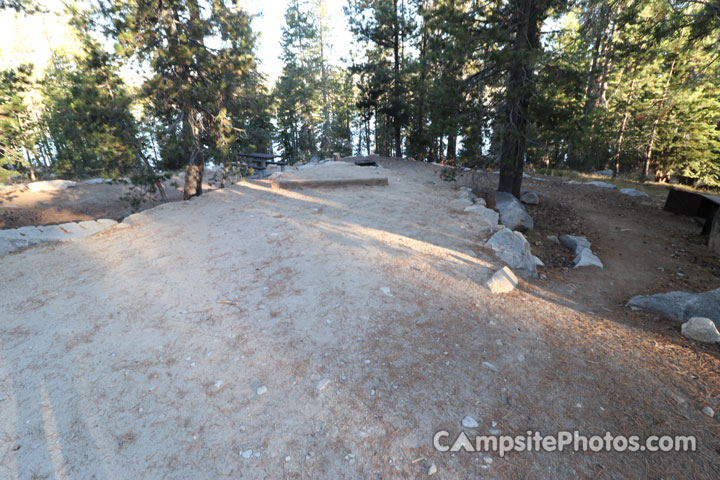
[260, 161]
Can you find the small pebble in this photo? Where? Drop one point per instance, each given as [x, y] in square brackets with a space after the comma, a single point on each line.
[469, 422]
[488, 460]
[261, 390]
[322, 384]
[709, 411]
[432, 469]
[247, 453]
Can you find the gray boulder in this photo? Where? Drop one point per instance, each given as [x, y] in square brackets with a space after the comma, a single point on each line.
[605, 173]
[587, 259]
[680, 306]
[513, 249]
[512, 213]
[632, 192]
[714, 239]
[529, 198]
[601, 184]
[701, 329]
[574, 243]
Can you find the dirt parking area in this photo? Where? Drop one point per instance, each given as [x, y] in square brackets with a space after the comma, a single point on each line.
[330, 333]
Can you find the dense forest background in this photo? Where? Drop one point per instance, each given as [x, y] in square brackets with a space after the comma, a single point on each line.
[627, 85]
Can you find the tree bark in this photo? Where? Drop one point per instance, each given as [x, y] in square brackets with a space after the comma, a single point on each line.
[451, 145]
[526, 29]
[396, 83]
[656, 122]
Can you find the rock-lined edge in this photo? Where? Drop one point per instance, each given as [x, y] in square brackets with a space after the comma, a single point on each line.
[15, 239]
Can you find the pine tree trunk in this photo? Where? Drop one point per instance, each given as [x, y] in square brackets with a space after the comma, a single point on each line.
[452, 145]
[193, 181]
[656, 122]
[623, 125]
[517, 96]
[396, 84]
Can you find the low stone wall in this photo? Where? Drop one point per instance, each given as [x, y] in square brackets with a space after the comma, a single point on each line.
[11, 240]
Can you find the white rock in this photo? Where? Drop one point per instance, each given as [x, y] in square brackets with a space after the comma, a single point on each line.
[322, 384]
[601, 184]
[512, 212]
[247, 453]
[513, 249]
[469, 422]
[386, 291]
[261, 390]
[574, 243]
[479, 201]
[709, 411]
[490, 366]
[529, 198]
[587, 259]
[701, 329]
[50, 185]
[502, 281]
[488, 460]
[632, 192]
[432, 469]
[96, 181]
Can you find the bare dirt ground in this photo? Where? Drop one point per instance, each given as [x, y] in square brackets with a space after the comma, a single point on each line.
[138, 353]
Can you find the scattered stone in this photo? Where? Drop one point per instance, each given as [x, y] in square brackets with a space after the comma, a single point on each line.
[574, 243]
[247, 453]
[460, 204]
[701, 329]
[513, 249]
[553, 239]
[512, 213]
[502, 281]
[529, 198]
[601, 184]
[322, 384]
[96, 181]
[709, 411]
[681, 306]
[490, 366]
[261, 390]
[469, 422]
[432, 469]
[587, 259]
[479, 201]
[50, 185]
[488, 460]
[386, 291]
[605, 173]
[633, 193]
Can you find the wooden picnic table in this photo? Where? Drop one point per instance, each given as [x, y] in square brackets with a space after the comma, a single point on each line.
[260, 161]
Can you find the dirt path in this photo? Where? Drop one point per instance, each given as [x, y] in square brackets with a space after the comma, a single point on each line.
[139, 352]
